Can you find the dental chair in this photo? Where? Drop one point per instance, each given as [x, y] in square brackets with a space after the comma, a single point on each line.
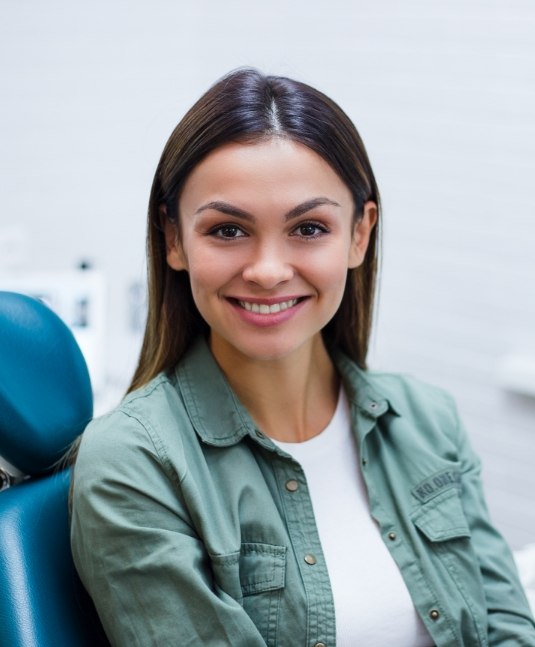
[45, 403]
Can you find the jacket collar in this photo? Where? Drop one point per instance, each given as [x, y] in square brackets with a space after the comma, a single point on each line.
[200, 380]
[226, 421]
[371, 401]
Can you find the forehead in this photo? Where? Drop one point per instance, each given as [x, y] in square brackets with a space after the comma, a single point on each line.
[275, 170]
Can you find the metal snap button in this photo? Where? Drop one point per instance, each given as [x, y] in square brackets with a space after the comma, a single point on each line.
[292, 485]
[434, 614]
[392, 536]
[310, 559]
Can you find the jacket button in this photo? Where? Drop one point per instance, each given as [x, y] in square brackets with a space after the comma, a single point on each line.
[434, 614]
[310, 559]
[320, 645]
[292, 485]
[392, 536]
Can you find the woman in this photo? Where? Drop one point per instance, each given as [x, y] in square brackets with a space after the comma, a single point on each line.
[258, 486]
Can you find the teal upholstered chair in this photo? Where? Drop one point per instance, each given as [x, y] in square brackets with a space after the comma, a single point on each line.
[45, 402]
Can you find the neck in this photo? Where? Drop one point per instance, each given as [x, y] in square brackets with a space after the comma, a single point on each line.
[290, 399]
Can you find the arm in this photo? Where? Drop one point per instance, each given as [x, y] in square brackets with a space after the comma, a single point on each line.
[136, 551]
[509, 618]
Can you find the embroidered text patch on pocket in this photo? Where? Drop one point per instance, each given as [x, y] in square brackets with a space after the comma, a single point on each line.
[442, 518]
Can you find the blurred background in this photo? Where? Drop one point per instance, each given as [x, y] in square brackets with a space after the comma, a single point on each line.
[443, 94]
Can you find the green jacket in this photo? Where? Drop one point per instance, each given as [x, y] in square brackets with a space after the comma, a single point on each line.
[188, 527]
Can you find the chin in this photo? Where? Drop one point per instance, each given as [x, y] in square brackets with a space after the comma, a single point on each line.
[265, 354]
[273, 350]
[264, 347]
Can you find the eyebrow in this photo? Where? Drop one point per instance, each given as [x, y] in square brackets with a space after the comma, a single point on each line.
[295, 212]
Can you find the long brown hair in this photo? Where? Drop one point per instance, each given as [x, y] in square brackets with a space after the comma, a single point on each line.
[247, 106]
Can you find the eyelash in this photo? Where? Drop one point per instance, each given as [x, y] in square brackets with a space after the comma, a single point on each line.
[316, 225]
[216, 232]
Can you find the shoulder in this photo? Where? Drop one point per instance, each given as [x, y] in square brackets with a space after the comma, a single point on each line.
[404, 393]
[423, 413]
[415, 405]
[408, 394]
[130, 463]
[142, 426]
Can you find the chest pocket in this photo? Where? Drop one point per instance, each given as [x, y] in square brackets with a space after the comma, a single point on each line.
[255, 577]
[442, 518]
[262, 568]
[443, 523]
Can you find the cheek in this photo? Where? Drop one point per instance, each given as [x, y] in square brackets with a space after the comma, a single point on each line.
[329, 269]
[208, 272]
[330, 280]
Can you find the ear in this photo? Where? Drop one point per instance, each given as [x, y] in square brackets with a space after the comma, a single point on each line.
[176, 258]
[361, 234]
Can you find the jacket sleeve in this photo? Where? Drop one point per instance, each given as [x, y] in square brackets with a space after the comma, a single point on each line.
[510, 622]
[136, 551]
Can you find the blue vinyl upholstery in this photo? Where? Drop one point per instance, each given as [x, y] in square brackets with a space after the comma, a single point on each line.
[45, 402]
[45, 392]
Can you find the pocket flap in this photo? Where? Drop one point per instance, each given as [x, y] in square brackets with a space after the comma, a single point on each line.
[262, 567]
[255, 568]
[442, 518]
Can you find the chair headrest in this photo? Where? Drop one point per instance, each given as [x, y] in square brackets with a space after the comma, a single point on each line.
[45, 390]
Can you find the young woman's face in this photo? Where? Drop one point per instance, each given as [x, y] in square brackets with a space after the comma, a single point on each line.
[267, 234]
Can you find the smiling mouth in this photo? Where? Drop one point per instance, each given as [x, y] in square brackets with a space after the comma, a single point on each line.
[265, 309]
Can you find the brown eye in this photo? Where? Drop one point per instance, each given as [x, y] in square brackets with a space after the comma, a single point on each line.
[310, 230]
[228, 231]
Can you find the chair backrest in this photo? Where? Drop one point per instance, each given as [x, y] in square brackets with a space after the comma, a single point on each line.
[45, 403]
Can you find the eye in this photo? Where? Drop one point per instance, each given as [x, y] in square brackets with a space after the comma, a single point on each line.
[227, 231]
[310, 230]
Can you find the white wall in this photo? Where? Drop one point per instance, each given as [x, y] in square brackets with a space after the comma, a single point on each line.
[443, 94]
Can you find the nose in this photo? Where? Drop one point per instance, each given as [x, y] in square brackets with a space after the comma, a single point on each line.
[268, 267]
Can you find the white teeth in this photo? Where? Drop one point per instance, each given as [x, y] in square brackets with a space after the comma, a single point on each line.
[263, 309]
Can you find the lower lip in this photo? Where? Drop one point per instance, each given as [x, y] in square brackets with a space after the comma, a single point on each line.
[269, 319]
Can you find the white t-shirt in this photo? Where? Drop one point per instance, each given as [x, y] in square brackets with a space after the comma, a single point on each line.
[372, 604]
